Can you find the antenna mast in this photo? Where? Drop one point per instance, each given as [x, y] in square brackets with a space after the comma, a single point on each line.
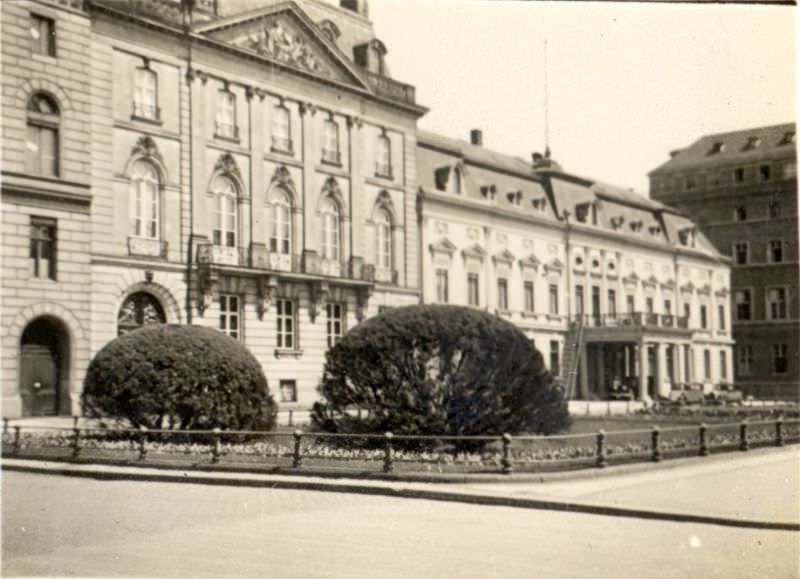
[546, 106]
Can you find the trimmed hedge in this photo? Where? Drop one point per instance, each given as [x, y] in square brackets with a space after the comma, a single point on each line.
[437, 369]
[178, 377]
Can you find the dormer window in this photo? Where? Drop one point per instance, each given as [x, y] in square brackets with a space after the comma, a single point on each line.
[539, 204]
[330, 30]
[488, 192]
[370, 55]
[716, 148]
[514, 197]
[752, 143]
[636, 226]
[686, 237]
[788, 138]
[582, 212]
[654, 230]
[617, 222]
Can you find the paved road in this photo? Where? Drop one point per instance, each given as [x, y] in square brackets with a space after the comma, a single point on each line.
[63, 526]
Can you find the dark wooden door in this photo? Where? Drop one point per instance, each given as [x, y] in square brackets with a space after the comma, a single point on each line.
[40, 380]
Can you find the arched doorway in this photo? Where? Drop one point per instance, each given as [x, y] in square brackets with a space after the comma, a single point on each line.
[139, 309]
[44, 368]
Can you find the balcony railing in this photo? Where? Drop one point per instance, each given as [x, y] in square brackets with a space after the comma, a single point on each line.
[391, 89]
[633, 319]
[386, 275]
[147, 247]
[221, 255]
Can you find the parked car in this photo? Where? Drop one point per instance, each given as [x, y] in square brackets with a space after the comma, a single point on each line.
[725, 394]
[687, 393]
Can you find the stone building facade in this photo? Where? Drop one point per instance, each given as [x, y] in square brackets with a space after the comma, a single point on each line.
[741, 189]
[252, 166]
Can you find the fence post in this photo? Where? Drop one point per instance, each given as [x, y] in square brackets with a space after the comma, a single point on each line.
[142, 442]
[508, 467]
[297, 459]
[744, 444]
[779, 431]
[601, 448]
[290, 417]
[656, 434]
[17, 441]
[216, 450]
[76, 442]
[388, 453]
[703, 439]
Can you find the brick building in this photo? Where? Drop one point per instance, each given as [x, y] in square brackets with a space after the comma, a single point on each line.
[741, 189]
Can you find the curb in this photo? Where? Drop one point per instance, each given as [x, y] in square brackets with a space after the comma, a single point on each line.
[116, 473]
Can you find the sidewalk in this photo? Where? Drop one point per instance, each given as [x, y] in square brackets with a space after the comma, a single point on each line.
[758, 490]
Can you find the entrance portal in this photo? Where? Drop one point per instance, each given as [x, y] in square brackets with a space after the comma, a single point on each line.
[44, 368]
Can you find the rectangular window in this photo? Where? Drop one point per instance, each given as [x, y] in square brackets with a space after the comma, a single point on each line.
[765, 172]
[554, 369]
[529, 300]
[502, 294]
[442, 286]
[707, 364]
[667, 307]
[288, 390]
[721, 318]
[776, 303]
[612, 302]
[738, 175]
[41, 148]
[281, 130]
[226, 115]
[744, 301]
[630, 303]
[335, 322]
[145, 95]
[774, 209]
[473, 297]
[383, 157]
[780, 361]
[649, 307]
[285, 324]
[776, 251]
[578, 300]
[703, 317]
[744, 360]
[43, 35]
[553, 292]
[43, 248]
[330, 146]
[687, 313]
[723, 365]
[229, 315]
[741, 252]
[740, 213]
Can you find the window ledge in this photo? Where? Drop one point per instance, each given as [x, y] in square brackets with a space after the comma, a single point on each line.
[531, 315]
[288, 353]
[227, 138]
[148, 120]
[554, 317]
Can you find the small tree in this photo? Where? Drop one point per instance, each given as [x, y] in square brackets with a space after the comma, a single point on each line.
[178, 377]
[437, 370]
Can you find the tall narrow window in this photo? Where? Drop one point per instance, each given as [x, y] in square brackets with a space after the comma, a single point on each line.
[43, 248]
[383, 157]
[280, 238]
[502, 294]
[145, 199]
[41, 143]
[723, 365]
[553, 297]
[145, 95]
[457, 181]
[225, 229]
[442, 286]
[687, 314]
[473, 296]
[776, 303]
[43, 35]
[780, 361]
[744, 300]
[383, 240]
[612, 302]
[330, 229]
[707, 364]
[741, 251]
[281, 130]
[649, 307]
[740, 213]
[721, 317]
[229, 315]
[529, 297]
[744, 359]
[554, 369]
[578, 300]
[630, 303]
[226, 115]
[330, 148]
[334, 322]
[285, 324]
[774, 209]
[667, 307]
[288, 390]
[703, 317]
[775, 251]
[765, 172]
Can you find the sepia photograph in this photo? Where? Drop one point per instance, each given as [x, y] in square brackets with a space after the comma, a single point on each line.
[399, 289]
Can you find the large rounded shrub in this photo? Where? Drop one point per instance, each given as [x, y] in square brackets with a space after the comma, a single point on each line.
[437, 369]
[178, 377]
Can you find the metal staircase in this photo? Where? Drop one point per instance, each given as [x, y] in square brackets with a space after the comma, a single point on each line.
[573, 344]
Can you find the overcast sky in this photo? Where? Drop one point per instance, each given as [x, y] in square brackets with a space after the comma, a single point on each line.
[628, 82]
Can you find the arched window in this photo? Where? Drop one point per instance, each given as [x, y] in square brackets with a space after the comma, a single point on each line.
[41, 144]
[146, 200]
[139, 309]
[280, 239]
[330, 229]
[226, 211]
[383, 157]
[383, 240]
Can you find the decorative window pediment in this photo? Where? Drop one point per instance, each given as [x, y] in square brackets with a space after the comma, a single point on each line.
[226, 165]
[668, 285]
[474, 251]
[443, 245]
[651, 281]
[704, 289]
[531, 262]
[555, 265]
[632, 279]
[688, 287]
[283, 178]
[504, 256]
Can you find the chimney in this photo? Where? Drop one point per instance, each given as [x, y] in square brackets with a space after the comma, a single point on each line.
[476, 137]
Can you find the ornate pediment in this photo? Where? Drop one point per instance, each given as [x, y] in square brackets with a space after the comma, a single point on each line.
[651, 281]
[146, 147]
[705, 289]
[530, 261]
[285, 34]
[443, 245]
[504, 256]
[555, 265]
[687, 287]
[283, 178]
[226, 164]
[474, 251]
[632, 279]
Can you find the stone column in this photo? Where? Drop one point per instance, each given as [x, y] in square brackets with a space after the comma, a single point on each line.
[584, 372]
[356, 185]
[661, 367]
[642, 370]
[679, 363]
